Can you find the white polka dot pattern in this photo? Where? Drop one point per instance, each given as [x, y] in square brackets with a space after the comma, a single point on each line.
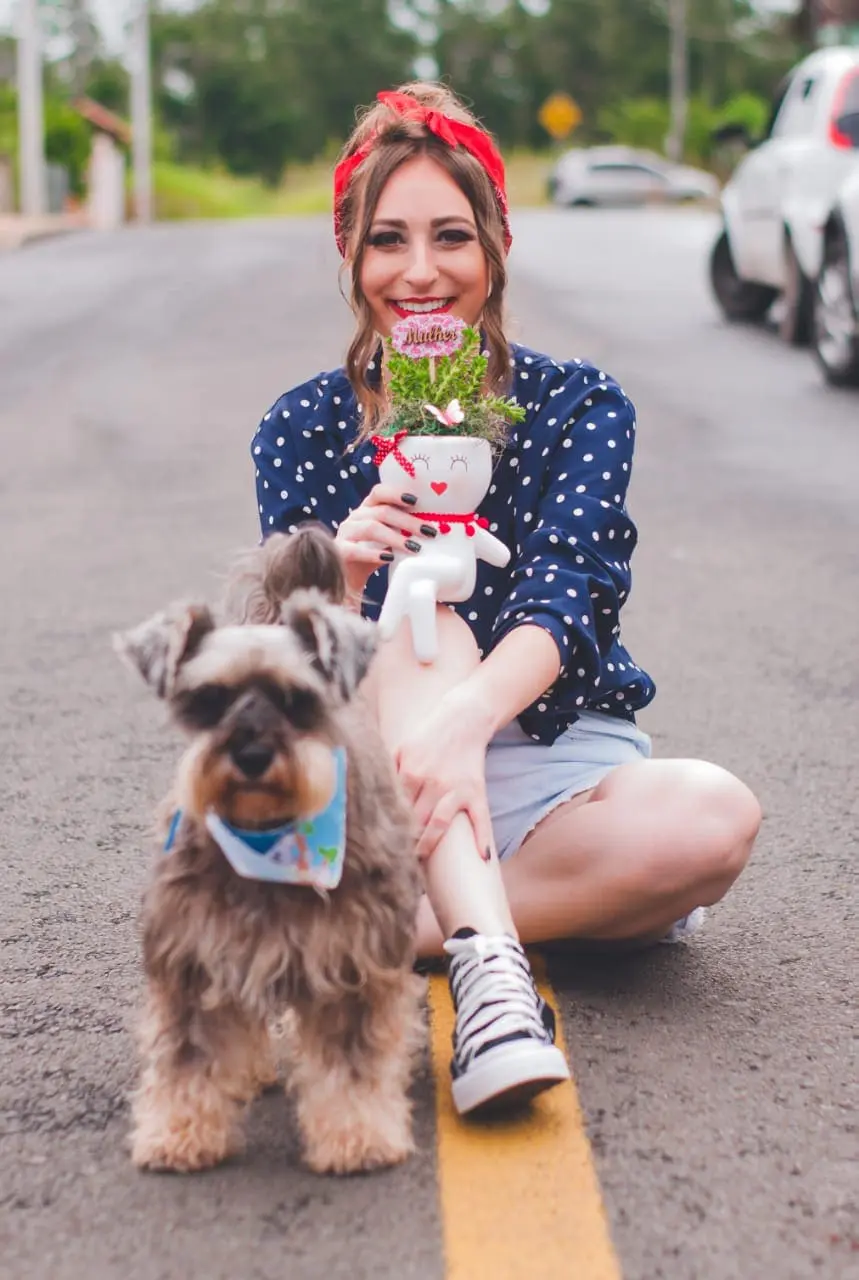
[557, 499]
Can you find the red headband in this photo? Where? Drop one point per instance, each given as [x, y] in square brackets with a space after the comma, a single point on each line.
[474, 140]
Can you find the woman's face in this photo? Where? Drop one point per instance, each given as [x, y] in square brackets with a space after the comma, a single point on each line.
[422, 253]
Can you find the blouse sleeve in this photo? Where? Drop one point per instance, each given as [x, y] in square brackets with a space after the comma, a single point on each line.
[571, 573]
[282, 496]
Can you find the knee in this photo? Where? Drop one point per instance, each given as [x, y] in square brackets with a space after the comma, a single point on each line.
[457, 647]
[704, 836]
[398, 687]
[724, 819]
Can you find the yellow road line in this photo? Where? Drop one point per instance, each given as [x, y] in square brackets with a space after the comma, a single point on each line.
[520, 1198]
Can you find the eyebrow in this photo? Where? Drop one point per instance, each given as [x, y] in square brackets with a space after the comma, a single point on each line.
[401, 224]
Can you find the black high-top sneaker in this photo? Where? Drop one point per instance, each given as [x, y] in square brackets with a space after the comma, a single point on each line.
[504, 1049]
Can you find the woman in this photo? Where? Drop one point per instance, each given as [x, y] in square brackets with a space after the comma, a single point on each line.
[541, 812]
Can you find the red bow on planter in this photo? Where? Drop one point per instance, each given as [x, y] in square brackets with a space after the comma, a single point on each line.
[386, 445]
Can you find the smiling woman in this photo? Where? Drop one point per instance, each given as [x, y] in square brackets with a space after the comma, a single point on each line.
[424, 265]
[520, 738]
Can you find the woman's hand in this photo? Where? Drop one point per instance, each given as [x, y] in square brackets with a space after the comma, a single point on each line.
[442, 766]
[370, 535]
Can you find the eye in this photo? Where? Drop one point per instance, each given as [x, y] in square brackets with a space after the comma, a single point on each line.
[455, 236]
[301, 707]
[421, 457]
[457, 459]
[205, 707]
[384, 239]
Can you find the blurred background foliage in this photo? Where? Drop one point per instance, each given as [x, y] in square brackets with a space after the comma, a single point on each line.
[254, 97]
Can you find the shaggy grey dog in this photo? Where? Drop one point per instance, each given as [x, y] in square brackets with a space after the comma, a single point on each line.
[270, 702]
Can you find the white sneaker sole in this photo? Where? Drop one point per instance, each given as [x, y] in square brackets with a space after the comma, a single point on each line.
[509, 1076]
[686, 927]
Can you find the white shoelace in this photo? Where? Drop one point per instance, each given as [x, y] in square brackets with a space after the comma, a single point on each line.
[493, 992]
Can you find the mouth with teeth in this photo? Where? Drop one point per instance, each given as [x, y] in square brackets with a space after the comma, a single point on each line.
[403, 307]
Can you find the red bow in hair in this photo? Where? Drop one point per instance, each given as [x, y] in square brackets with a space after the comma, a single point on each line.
[452, 132]
[386, 445]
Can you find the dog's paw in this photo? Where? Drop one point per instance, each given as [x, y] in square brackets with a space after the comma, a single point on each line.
[178, 1153]
[184, 1145]
[357, 1149]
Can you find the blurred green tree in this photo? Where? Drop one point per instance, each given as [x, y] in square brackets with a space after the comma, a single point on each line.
[507, 56]
[257, 83]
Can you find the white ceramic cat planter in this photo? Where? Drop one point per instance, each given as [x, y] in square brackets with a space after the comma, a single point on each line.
[436, 371]
[449, 475]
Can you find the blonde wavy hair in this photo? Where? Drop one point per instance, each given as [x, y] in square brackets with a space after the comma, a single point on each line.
[397, 141]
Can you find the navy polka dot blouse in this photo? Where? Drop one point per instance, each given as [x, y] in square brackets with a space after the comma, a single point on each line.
[557, 499]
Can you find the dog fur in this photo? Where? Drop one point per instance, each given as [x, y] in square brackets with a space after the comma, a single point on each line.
[224, 955]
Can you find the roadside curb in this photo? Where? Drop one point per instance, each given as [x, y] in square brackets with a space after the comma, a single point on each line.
[17, 232]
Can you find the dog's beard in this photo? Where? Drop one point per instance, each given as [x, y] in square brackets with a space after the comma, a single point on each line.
[297, 785]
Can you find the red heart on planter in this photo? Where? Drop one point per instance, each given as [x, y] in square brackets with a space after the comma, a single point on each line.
[438, 486]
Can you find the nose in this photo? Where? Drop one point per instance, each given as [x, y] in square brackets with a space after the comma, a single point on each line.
[252, 758]
[422, 269]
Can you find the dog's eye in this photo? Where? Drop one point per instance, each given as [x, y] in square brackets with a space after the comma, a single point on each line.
[206, 706]
[301, 707]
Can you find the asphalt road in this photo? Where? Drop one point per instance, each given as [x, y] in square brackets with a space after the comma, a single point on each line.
[717, 1078]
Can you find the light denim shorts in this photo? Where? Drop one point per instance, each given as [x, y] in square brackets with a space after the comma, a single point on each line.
[526, 780]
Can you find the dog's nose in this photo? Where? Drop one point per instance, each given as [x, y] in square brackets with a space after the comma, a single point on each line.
[253, 758]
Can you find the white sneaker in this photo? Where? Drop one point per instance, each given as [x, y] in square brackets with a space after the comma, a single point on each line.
[504, 1050]
[683, 929]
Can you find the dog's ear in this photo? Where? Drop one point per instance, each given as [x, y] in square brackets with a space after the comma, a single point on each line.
[340, 644]
[159, 646]
[286, 562]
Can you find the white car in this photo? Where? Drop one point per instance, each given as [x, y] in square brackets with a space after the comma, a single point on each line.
[777, 202]
[624, 176]
[835, 333]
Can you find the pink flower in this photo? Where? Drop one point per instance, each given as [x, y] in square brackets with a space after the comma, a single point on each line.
[429, 335]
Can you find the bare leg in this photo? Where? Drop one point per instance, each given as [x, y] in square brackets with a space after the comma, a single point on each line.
[653, 841]
[463, 889]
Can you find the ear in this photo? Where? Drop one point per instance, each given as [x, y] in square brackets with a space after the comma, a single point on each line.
[159, 646]
[340, 644]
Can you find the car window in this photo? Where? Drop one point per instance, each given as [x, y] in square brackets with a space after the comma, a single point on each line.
[796, 117]
[628, 170]
[844, 126]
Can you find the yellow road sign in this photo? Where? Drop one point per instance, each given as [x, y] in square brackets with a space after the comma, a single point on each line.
[559, 115]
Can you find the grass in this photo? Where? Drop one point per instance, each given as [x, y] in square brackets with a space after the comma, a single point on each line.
[527, 172]
[184, 192]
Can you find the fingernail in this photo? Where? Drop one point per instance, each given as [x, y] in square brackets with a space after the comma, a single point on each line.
[411, 545]
[387, 556]
[429, 530]
[487, 854]
[408, 498]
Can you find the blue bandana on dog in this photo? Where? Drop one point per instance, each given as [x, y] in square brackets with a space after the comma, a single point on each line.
[309, 852]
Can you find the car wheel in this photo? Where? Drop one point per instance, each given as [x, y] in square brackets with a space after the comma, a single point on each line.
[797, 301]
[739, 299]
[581, 202]
[835, 323]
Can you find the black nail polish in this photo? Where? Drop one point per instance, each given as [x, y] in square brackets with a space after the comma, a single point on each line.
[387, 556]
[408, 498]
[429, 530]
[487, 854]
[411, 545]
